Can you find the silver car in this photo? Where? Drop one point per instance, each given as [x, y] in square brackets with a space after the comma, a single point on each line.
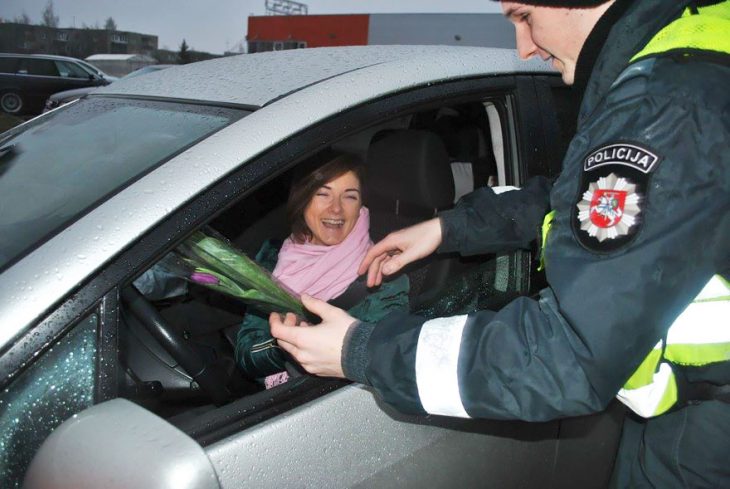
[104, 386]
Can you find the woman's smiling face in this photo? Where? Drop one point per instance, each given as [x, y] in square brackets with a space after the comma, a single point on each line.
[333, 210]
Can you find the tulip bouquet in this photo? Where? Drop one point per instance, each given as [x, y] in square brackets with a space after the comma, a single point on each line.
[214, 263]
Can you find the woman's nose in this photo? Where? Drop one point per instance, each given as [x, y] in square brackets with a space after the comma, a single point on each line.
[336, 206]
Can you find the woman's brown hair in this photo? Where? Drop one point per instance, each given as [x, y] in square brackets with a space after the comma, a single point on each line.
[306, 183]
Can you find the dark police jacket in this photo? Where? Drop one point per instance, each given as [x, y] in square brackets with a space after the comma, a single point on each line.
[651, 151]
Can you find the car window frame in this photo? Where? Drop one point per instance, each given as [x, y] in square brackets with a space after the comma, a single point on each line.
[102, 288]
[13, 62]
[91, 69]
[73, 68]
[23, 67]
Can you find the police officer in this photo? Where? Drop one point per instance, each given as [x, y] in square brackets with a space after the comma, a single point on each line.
[636, 247]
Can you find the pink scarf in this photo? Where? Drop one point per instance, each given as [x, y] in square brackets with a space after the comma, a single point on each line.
[323, 271]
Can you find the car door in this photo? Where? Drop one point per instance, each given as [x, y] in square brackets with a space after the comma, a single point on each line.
[40, 79]
[43, 77]
[8, 70]
[315, 432]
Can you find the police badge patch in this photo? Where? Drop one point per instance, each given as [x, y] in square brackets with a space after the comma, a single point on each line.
[610, 208]
[613, 187]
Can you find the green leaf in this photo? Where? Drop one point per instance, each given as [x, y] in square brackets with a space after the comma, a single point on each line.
[238, 275]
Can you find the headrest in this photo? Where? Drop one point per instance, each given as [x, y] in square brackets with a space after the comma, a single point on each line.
[460, 138]
[411, 168]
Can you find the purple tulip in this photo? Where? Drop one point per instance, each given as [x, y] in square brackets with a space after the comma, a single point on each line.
[204, 278]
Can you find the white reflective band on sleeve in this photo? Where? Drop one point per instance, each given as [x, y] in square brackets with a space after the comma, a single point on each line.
[713, 289]
[645, 400]
[437, 358]
[503, 188]
[701, 323]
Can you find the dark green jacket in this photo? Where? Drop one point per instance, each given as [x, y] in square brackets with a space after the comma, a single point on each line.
[256, 352]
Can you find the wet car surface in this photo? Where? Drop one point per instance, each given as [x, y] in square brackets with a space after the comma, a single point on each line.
[93, 371]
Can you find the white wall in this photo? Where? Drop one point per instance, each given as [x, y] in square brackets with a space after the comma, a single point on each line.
[490, 30]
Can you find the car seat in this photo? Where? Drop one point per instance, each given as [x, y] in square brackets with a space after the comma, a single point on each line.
[408, 180]
[471, 156]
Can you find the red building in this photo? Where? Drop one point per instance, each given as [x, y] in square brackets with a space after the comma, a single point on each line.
[277, 32]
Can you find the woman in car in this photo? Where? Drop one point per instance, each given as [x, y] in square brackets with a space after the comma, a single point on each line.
[329, 238]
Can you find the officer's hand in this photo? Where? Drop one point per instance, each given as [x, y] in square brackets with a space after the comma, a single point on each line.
[317, 348]
[400, 248]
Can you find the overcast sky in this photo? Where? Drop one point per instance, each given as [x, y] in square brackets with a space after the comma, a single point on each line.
[211, 25]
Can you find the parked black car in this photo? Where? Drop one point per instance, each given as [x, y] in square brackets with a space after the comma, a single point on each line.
[26, 81]
[60, 98]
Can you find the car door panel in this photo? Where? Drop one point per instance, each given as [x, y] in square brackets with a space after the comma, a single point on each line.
[588, 442]
[348, 438]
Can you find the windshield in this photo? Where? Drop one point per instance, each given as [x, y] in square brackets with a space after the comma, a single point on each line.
[61, 165]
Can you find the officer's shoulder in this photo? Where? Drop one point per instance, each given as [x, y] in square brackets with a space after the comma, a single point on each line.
[697, 78]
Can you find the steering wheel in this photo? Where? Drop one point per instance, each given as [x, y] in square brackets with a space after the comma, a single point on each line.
[207, 377]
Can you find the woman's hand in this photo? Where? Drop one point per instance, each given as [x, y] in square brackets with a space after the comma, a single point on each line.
[317, 348]
[400, 248]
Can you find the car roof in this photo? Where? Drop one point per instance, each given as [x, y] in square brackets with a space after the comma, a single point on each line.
[40, 56]
[293, 89]
[258, 79]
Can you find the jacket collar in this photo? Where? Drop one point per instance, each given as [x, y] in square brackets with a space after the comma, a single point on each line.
[625, 28]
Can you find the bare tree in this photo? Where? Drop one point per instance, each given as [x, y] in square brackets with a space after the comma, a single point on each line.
[110, 25]
[50, 19]
[22, 18]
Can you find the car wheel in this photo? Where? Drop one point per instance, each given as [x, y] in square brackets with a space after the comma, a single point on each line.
[11, 102]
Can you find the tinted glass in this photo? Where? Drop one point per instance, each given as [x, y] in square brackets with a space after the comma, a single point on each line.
[63, 164]
[8, 65]
[40, 67]
[57, 386]
[90, 68]
[71, 70]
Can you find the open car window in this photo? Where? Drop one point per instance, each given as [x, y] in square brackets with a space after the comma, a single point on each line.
[469, 144]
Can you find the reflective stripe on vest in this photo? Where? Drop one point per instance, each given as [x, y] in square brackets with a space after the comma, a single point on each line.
[701, 334]
[707, 29]
[546, 224]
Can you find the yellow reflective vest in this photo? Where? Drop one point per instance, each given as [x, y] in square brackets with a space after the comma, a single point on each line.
[700, 335]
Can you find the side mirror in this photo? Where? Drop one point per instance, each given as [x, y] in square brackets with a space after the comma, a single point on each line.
[118, 444]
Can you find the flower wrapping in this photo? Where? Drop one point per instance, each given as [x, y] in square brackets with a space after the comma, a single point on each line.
[211, 261]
